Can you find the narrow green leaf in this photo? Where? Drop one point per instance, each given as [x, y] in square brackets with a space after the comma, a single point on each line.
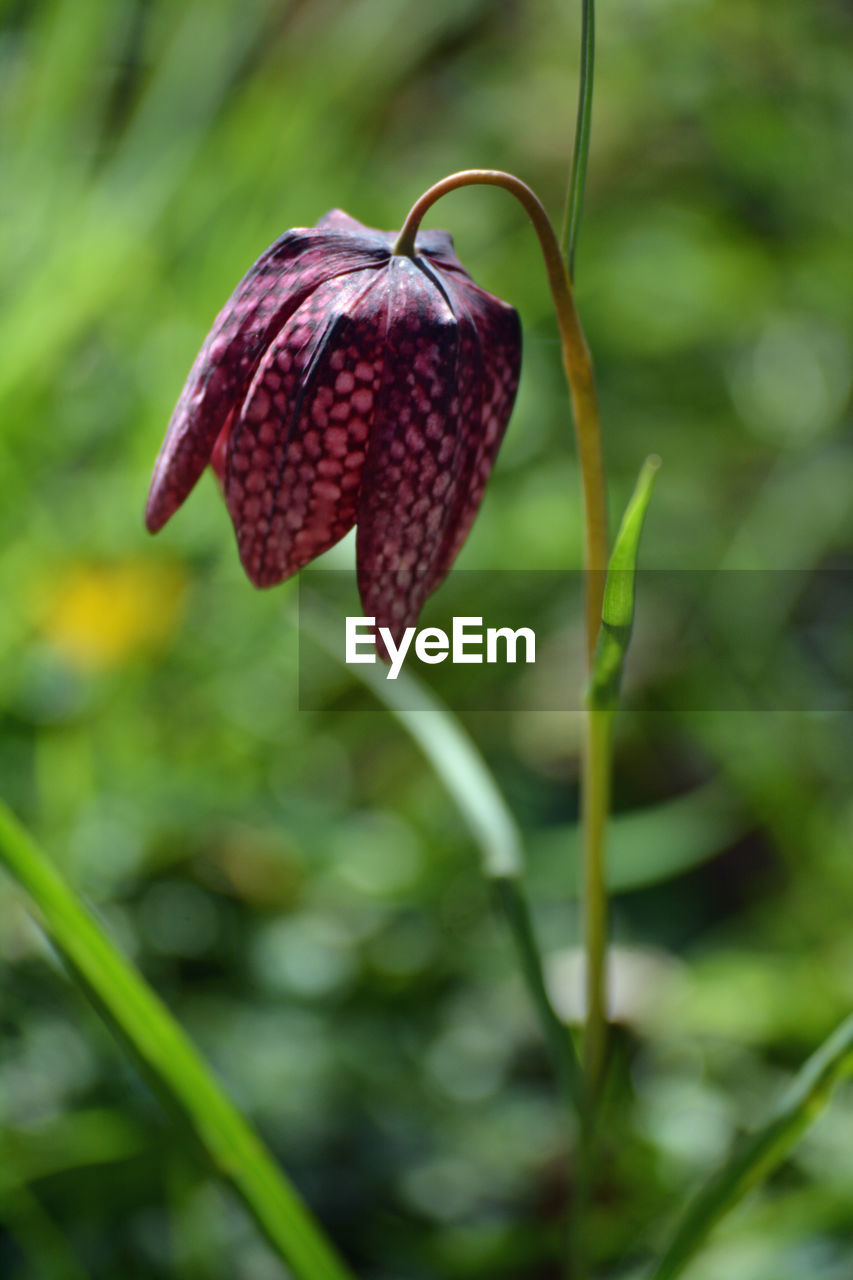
[445, 744]
[513, 902]
[70, 1141]
[169, 1059]
[617, 612]
[457, 762]
[756, 1157]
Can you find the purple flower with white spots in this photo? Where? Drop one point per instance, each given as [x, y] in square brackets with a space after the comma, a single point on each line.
[343, 384]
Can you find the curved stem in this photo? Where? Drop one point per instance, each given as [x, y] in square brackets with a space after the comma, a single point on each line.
[756, 1156]
[463, 773]
[513, 903]
[577, 364]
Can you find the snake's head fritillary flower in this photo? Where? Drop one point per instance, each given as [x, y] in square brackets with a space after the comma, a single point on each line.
[343, 384]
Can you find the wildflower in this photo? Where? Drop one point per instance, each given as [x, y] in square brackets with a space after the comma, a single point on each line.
[343, 384]
[99, 616]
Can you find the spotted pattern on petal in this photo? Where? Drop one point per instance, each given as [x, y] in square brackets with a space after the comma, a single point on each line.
[414, 450]
[467, 434]
[264, 299]
[343, 384]
[296, 455]
[499, 334]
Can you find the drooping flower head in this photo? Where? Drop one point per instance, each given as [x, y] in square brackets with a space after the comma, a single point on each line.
[343, 384]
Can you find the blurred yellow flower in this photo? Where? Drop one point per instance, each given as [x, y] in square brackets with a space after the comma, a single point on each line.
[97, 616]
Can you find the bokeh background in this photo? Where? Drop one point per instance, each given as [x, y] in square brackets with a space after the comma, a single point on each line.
[296, 884]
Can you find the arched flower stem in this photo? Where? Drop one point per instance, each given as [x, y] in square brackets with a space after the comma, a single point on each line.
[577, 364]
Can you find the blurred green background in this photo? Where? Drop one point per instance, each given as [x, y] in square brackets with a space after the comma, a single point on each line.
[296, 884]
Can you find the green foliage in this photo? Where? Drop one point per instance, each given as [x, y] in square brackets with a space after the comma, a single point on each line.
[167, 1057]
[294, 884]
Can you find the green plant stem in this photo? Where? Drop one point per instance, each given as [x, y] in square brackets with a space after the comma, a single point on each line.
[756, 1157]
[617, 621]
[580, 153]
[169, 1060]
[577, 364]
[595, 806]
[617, 616]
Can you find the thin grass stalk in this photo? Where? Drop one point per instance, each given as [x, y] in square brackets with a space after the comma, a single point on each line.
[583, 124]
[458, 764]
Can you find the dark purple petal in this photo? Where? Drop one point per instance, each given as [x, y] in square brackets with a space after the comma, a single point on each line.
[296, 453]
[343, 384]
[339, 220]
[499, 334]
[409, 476]
[270, 292]
[433, 242]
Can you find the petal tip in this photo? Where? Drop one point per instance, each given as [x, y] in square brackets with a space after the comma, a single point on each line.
[157, 511]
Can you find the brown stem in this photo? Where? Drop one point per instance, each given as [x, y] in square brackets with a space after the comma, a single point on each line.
[577, 364]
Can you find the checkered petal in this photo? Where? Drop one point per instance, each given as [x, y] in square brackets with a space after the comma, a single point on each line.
[410, 475]
[296, 453]
[269, 293]
[498, 359]
[343, 384]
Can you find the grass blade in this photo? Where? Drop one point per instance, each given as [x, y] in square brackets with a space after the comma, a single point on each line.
[460, 767]
[169, 1059]
[580, 154]
[446, 745]
[516, 909]
[762, 1151]
[37, 1235]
